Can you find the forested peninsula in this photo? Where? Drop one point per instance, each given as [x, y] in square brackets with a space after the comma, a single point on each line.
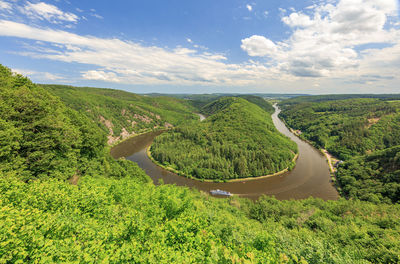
[237, 140]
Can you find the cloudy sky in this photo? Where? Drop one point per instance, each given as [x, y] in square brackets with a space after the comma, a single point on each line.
[185, 46]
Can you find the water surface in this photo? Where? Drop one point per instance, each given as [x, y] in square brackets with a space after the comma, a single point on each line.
[310, 177]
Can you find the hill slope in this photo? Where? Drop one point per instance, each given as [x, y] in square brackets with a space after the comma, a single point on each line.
[42, 138]
[374, 177]
[363, 132]
[237, 140]
[346, 127]
[122, 114]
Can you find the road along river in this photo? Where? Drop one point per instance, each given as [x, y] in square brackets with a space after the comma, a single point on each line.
[310, 177]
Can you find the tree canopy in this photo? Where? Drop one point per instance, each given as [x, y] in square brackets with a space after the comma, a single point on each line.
[237, 140]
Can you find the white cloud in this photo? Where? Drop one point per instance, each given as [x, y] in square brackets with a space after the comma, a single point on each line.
[297, 20]
[326, 47]
[51, 13]
[120, 61]
[249, 7]
[258, 46]
[96, 16]
[100, 76]
[40, 76]
[326, 42]
[266, 13]
[5, 5]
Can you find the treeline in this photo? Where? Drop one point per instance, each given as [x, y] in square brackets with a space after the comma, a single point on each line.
[336, 97]
[121, 114]
[237, 140]
[363, 132]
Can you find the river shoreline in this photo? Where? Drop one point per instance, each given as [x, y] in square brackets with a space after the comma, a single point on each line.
[329, 157]
[148, 152]
[310, 176]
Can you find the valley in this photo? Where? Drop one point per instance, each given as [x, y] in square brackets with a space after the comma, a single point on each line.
[119, 211]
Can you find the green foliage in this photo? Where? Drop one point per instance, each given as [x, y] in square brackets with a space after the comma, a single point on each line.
[120, 113]
[344, 231]
[38, 137]
[237, 140]
[104, 220]
[41, 138]
[350, 129]
[126, 221]
[347, 127]
[124, 218]
[374, 177]
[261, 102]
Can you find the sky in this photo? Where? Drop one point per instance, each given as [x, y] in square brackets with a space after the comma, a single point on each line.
[207, 46]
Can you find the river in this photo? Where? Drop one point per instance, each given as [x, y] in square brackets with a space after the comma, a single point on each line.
[310, 177]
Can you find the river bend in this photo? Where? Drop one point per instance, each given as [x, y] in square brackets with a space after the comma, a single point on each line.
[310, 177]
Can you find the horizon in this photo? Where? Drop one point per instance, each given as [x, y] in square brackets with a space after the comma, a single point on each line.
[220, 93]
[245, 47]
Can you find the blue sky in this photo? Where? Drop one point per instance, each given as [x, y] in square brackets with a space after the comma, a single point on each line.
[292, 46]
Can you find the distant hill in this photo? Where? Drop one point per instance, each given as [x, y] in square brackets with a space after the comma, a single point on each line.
[334, 97]
[200, 100]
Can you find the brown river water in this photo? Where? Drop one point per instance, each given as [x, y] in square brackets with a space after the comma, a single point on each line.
[310, 177]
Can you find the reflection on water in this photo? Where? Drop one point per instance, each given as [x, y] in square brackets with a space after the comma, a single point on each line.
[310, 177]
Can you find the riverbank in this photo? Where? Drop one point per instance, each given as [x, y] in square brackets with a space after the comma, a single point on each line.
[331, 160]
[149, 130]
[310, 176]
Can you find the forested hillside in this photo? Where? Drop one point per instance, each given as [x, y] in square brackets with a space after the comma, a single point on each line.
[347, 127]
[122, 114]
[115, 215]
[363, 132]
[237, 140]
[374, 177]
[42, 138]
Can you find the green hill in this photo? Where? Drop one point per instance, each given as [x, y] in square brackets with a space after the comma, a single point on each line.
[41, 138]
[346, 127]
[365, 132]
[237, 140]
[122, 114]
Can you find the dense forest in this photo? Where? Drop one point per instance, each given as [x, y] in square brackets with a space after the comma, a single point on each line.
[122, 114]
[41, 138]
[115, 214]
[237, 140]
[364, 132]
[126, 221]
[373, 177]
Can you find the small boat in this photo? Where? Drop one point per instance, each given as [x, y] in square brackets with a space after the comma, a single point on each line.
[220, 192]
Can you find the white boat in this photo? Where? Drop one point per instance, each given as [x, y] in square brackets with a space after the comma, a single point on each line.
[220, 192]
